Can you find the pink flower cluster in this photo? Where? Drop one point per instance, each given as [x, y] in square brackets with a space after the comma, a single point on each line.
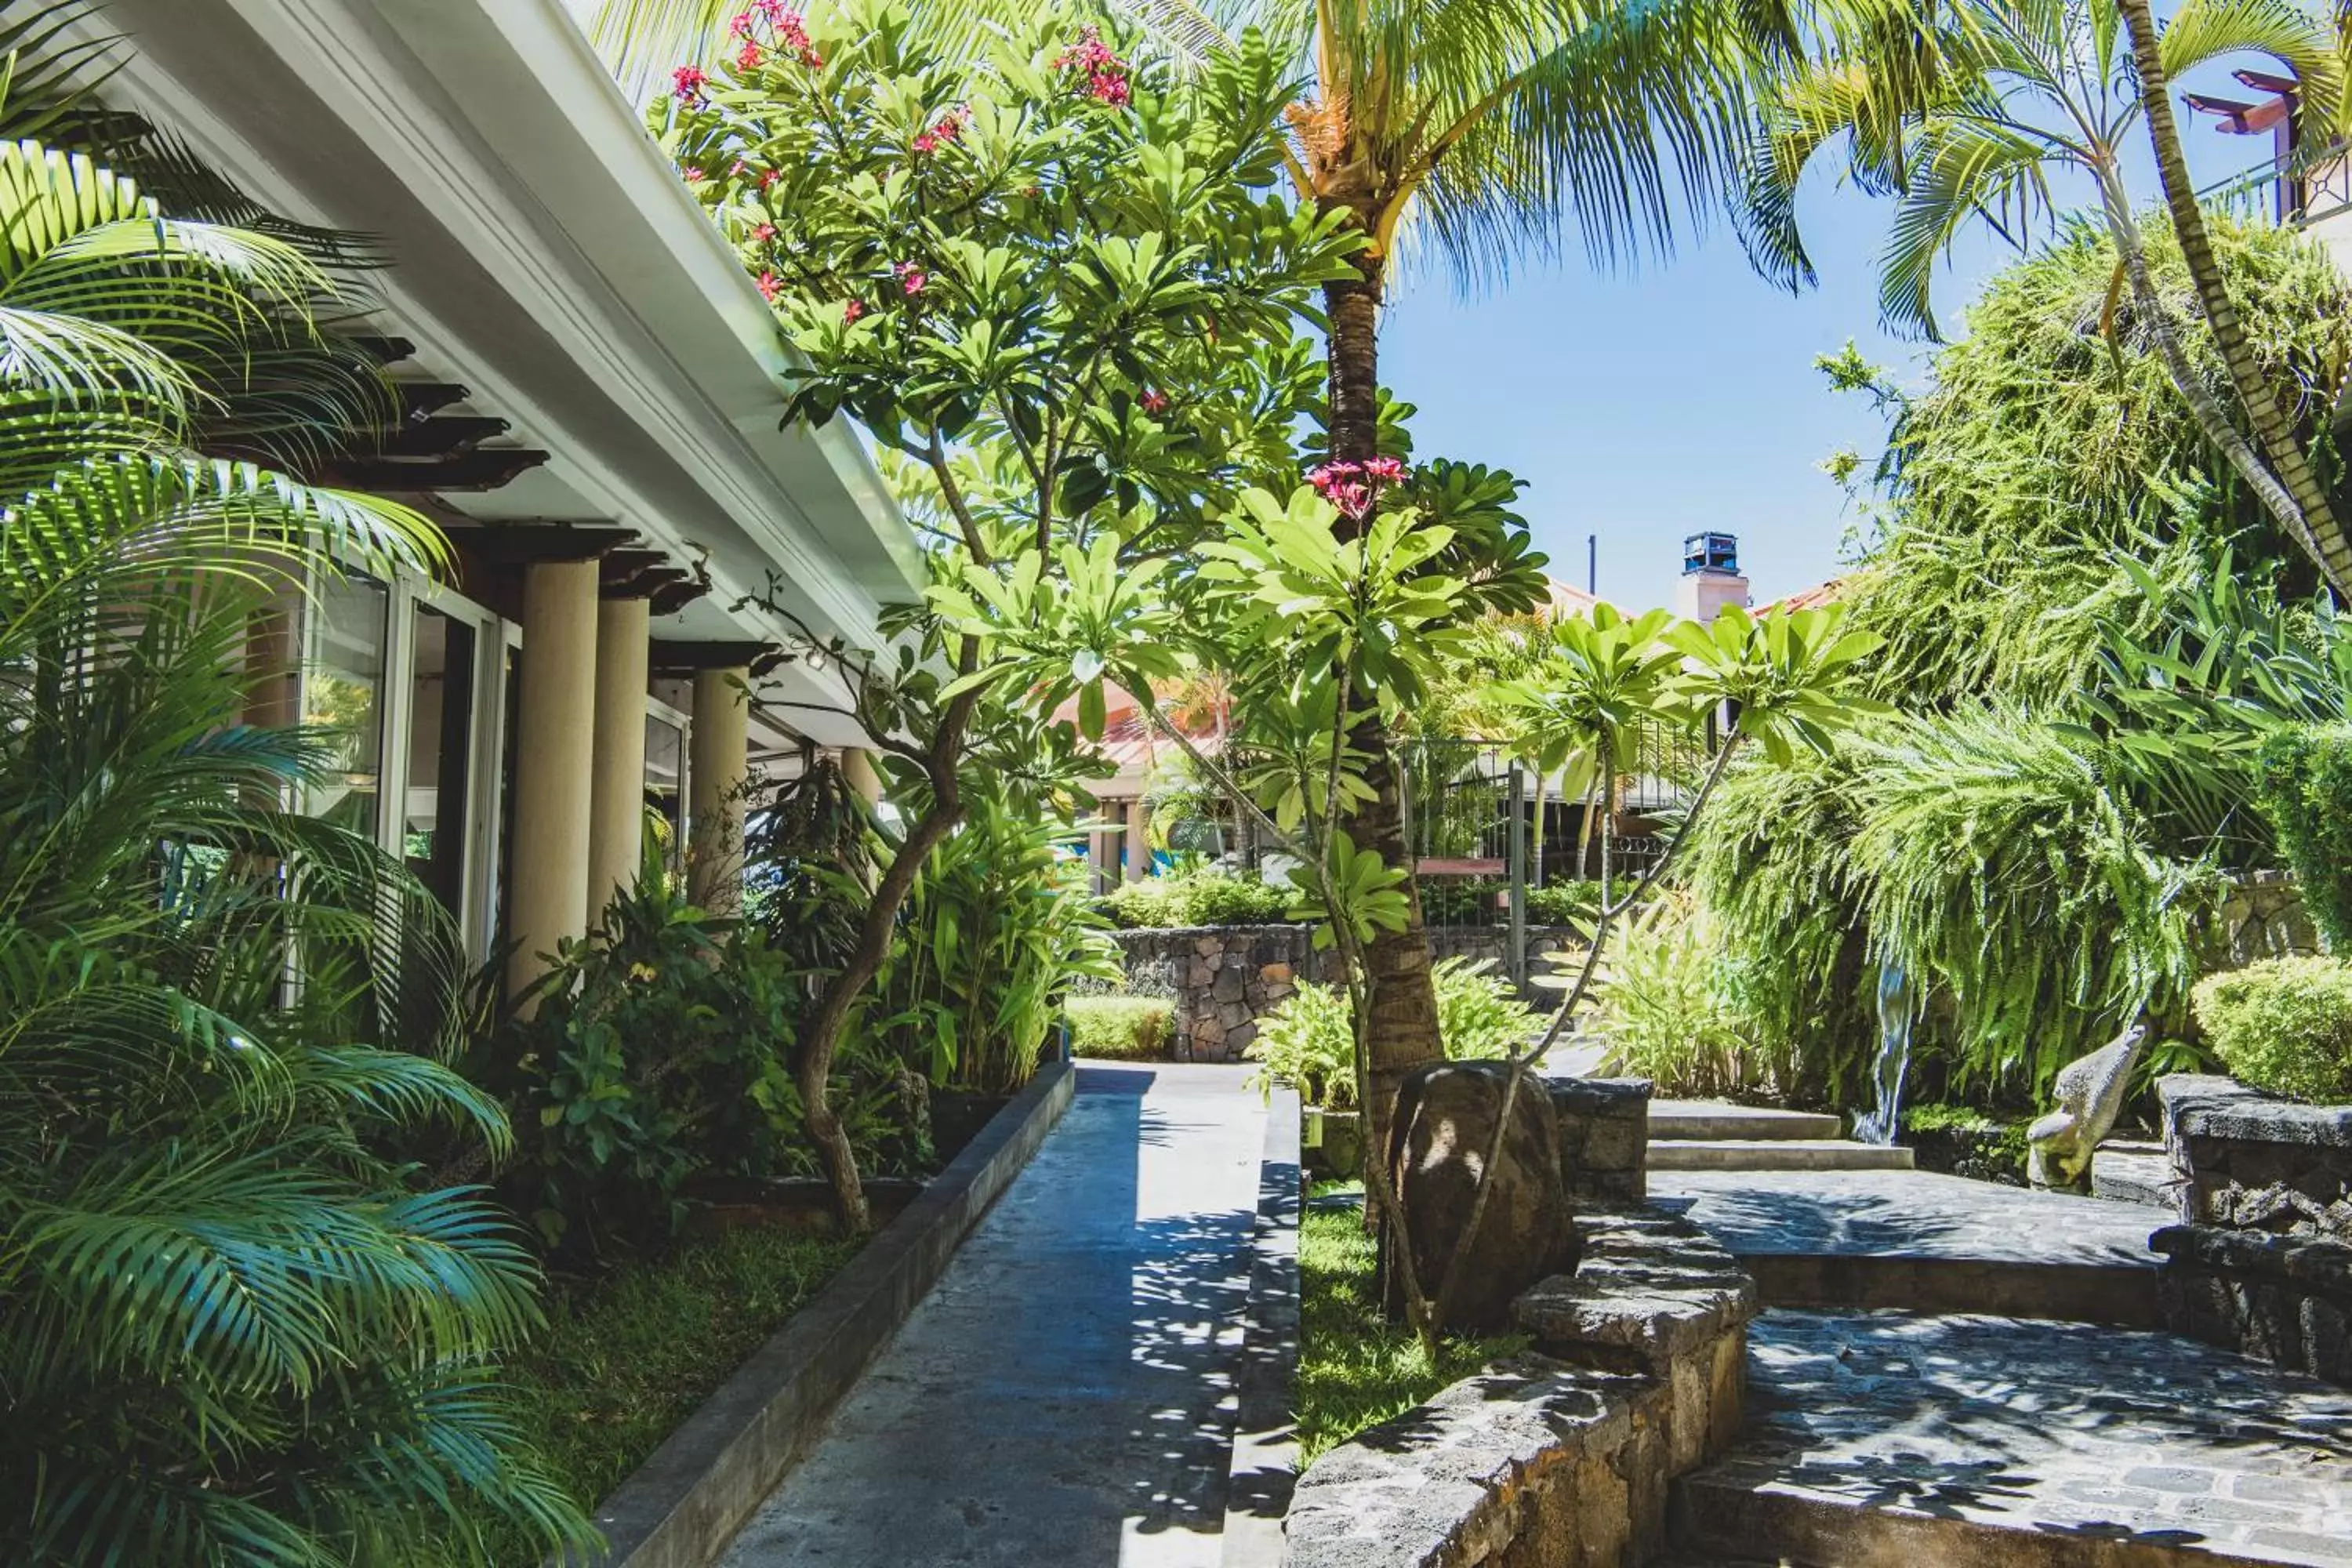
[788, 29]
[1155, 402]
[1353, 487]
[911, 278]
[770, 286]
[1105, 72]
[687, 82]
[949, 127]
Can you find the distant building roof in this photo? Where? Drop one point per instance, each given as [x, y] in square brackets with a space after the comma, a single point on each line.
[1814, 597]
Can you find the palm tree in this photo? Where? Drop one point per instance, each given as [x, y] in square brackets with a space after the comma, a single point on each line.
[1965, 116]
[234, 1326]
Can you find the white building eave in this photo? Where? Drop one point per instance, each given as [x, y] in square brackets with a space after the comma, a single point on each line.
[547, 257]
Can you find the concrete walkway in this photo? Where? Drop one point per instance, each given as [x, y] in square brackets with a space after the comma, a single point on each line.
[1064, 1396]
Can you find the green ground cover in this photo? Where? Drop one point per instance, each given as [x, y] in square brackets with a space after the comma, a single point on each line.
[1356, 1368]
[627, 1355]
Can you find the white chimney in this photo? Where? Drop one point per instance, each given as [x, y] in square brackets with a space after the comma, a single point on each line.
[1710, 578]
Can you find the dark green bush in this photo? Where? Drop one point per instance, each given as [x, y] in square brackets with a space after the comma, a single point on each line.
[661, 1053]
[2284, 1025]
[1573, 902]
[2304, 784]
[1121, 1028]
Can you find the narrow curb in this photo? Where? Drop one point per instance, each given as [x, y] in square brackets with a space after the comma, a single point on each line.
[685, 1503]
[1265, 1439]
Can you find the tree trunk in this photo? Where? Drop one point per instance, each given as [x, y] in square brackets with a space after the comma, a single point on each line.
[813, 1056]
[2213, 421]
[1403, 1032]
[2322, 532]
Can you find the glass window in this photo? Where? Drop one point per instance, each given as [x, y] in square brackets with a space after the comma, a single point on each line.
[440, 754]
[342, 694]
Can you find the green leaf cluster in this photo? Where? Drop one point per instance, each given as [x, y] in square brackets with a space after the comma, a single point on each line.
[238, 1324]
[2304, 784]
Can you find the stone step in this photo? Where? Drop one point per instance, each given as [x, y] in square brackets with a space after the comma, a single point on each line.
[1890, 1440]
[1704, 1119]
[2132, 1174]
[1775, 1154]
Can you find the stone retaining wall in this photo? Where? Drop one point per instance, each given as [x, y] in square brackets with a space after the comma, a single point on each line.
[1604, 1140]
[1223, 979]
[2261, 916]
[1564, 1455]
[2262, 1260]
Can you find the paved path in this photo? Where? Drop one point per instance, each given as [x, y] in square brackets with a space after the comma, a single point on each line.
[1063, 1395]
[1921, 1439]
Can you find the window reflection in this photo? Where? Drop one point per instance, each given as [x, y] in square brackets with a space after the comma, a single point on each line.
[342, 696]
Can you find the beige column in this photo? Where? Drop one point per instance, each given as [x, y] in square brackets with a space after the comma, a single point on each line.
[1139, 840]
[720, 765]
[616, 788]
[858, 769]
[554, 752]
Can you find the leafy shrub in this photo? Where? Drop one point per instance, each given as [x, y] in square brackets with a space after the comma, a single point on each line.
[1120, 1028]
[1194, 899]
[1308, 1043]
[1576, 902]
[2284, 1025]
[992, 935]
[659, 1053]
[2304, 786]
[1309, 1040]
[1669, 1008]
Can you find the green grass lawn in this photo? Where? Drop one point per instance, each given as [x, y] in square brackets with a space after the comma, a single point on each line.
[626, 1356]
[1356, 1369]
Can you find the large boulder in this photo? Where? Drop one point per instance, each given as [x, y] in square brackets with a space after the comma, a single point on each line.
[1445, 1124]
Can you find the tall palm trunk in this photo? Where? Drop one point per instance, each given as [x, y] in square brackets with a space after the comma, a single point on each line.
[2321, 533]
[1403, 1031]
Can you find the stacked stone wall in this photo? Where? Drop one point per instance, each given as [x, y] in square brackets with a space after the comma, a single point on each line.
[1565, 1455]
[1225, 979]
[2261, 1261]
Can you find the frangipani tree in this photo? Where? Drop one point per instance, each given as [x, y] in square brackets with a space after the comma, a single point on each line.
[1483, 132]
[1062, 287]
[1965, 112]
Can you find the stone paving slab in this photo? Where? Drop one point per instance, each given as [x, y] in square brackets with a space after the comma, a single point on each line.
[1897, 1439]
[1907, 1213]
[1066, 1394]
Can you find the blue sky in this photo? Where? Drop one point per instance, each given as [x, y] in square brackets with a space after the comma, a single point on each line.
[1643, 406]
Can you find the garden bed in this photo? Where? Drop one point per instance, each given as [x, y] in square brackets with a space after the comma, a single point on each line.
[627, 1355]
[1357, 1368]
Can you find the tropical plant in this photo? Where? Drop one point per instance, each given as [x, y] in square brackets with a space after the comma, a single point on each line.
[656, 1051]
[1965, 110]
[236, 1325]
[2284, 1025]
[1307, 1039]
[2048, 444]
[1669, 1006]
[1053, 285]
[2304, 783]
[994, 932]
